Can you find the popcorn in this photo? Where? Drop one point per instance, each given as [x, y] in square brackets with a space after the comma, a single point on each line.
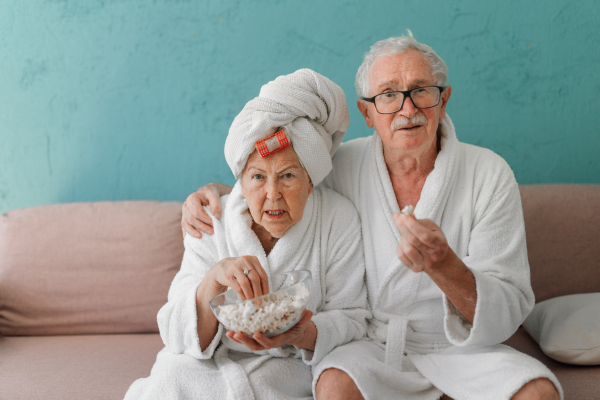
[270, 313]
[408, 210]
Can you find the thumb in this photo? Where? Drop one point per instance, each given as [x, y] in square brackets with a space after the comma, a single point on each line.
[306, 317]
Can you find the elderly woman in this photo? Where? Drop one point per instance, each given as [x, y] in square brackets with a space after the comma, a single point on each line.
[275, 220]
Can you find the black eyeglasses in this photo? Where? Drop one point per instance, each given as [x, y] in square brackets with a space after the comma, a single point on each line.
[392, 102]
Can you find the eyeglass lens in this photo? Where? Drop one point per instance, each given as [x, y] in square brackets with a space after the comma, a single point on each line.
[424, 97]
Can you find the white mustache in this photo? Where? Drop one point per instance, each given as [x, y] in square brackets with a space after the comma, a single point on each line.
[399, 122]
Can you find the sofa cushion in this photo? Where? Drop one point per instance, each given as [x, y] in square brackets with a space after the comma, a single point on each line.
[578, 383]
[567, 328]
[562, 226]
[100, 267]
[90, 367]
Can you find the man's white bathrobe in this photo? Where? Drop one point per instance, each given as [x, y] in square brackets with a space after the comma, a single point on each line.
[327, 241]
[418, 345]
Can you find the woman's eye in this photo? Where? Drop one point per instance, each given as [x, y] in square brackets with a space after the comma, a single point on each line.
[257, 176]
[288, 175]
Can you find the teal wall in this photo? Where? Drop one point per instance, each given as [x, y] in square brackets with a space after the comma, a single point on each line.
[132, 99]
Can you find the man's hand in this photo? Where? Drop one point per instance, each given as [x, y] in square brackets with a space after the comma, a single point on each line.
[303, 335]
[194, 220]
[423, 245]
[423, 248]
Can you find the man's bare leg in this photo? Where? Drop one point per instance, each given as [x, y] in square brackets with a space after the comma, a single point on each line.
[334, 384]
[537, 389]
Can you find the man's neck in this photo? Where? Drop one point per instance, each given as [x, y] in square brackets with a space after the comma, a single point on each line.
[410, 165]
[408, 171]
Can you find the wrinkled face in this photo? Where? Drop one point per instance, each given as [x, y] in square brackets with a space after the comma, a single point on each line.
[404, 71]
[276, 188]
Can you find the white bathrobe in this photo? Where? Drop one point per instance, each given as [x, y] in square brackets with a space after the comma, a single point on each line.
[418, 345]
[327, 241]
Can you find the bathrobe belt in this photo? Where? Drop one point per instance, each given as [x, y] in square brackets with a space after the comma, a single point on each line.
[396, 341]
[236, 379]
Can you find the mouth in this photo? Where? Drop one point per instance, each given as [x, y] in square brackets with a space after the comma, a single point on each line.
[275, 214]
[409, 127]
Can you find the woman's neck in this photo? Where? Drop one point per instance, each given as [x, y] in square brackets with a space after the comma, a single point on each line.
[266, 240]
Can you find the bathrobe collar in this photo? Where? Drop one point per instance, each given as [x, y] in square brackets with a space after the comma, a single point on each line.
[436, 189]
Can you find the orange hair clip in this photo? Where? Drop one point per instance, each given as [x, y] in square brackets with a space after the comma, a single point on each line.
[272, 144]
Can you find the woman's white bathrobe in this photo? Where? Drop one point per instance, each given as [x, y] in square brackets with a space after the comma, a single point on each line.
[418, 344]
[327, 241]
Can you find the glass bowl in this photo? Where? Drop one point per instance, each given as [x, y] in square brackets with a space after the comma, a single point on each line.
[271, 314]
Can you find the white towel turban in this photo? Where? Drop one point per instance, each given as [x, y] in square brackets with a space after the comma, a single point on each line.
[311, 109]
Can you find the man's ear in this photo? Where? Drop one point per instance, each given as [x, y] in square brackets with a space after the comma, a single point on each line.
[445, 97]
[364, 110]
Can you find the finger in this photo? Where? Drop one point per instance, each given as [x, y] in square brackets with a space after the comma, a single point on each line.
[254, 274]
[254, 279]
[197, 212]
[268, 343]
[305, 318]
[231, 335]
[425, 234]
[248, 342]
[197, 217]
[264, 278]
[234, 285]
[186, 227]
[288, 337]
[243, 282]
[402, 256]
[409, 237]
[401, 221]
[413, 255]
[214, 200]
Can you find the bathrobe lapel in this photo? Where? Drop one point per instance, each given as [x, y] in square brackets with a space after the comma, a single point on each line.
[431, 205]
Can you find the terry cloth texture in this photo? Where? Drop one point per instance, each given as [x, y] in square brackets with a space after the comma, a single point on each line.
[311, 109]
[327, 241]
[418, 344]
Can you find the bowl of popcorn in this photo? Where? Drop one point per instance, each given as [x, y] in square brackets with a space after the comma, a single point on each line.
[270, 314]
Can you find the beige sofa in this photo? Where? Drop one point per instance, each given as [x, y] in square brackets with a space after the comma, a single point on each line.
[80, 286]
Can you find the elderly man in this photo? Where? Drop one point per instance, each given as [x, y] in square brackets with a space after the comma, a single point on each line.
[447, 284]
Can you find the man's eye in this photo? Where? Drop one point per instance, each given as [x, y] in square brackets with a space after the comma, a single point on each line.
[419, 90]
[389, 95]
[288, 175]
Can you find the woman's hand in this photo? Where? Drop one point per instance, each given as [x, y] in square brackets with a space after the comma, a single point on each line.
[303, 335]
[194, 220]
[229, 273]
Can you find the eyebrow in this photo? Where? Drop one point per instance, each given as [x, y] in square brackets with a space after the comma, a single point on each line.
[288, 167]
[249, 167]
[393, 82]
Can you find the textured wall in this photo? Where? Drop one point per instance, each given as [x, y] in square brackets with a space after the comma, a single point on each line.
[132, 99]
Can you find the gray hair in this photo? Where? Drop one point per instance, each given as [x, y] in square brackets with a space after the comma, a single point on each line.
[398, 45]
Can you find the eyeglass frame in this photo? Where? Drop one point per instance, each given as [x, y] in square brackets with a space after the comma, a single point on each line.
[406, 93]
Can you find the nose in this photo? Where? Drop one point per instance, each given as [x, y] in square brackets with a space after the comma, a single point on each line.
[273, 190]
[408, 108]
